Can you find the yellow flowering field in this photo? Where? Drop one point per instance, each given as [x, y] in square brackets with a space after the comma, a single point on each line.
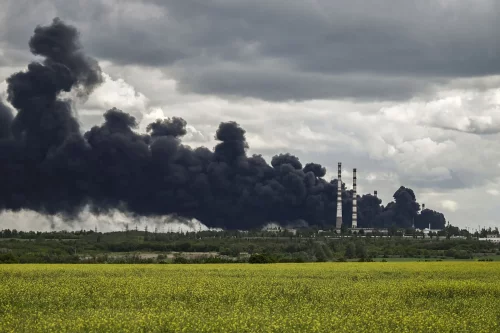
[320, 297]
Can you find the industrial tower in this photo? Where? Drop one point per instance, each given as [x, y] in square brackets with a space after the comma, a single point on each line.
[354, 204]
[423, 208]
[338, 224]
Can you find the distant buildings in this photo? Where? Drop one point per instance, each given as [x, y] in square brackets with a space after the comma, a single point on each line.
[271, 227]
[427, 231]
[491, 238]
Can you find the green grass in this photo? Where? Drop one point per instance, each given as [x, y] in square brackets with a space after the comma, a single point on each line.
[329, 297]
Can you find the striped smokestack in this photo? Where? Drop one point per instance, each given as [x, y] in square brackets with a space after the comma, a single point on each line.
[423, 206]
[375, 193]
[338, 223]
[354, 203]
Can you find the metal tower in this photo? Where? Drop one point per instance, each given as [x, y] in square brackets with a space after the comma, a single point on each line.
[338, 223]
[354, 203]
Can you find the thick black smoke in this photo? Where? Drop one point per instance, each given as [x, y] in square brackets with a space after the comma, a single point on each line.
[43, 156]
[5, 121]
[175, 127]
[430, 218]
[403, 212]
[281, 159]
[47, 165]
[316, 169]
[59, 44]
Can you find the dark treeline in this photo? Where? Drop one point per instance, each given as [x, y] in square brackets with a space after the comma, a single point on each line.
[308, 245]
[49, 166]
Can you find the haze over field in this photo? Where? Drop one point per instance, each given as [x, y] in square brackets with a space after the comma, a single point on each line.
[410, 96]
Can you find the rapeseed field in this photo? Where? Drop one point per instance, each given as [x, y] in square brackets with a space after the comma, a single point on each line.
[326, 297]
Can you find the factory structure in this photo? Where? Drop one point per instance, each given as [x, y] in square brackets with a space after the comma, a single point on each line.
[338, 224]
[354, 226]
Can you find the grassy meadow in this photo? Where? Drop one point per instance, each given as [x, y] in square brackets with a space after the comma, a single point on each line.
[318, 297]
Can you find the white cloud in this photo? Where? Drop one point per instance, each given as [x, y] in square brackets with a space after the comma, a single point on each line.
[494, 192]
[472, 111]
[449, 205]
[112, 93]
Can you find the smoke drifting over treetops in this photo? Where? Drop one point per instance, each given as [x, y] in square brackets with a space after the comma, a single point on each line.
[49, 166]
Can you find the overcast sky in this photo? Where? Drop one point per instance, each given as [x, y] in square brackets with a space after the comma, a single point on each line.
[408, 92]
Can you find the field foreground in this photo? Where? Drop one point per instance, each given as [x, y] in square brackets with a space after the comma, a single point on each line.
[326, 297]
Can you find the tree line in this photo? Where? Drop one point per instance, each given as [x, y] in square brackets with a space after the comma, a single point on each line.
[307, 245]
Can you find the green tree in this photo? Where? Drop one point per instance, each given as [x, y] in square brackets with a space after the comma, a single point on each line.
[327, 251]
[361, 250]
[343, 229]
[319, 253]
[350, 251]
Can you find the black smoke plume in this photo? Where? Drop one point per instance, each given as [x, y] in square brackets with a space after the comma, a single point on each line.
[402, 213]
[48, 165]
[5, 121]
[59, 44]
[175, 127]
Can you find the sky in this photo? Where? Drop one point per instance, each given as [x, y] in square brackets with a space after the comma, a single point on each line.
[407, 92]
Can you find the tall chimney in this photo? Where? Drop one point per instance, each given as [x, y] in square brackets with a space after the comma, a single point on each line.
[338, 223]
[354, 203]
[375, 193]
[423, 206]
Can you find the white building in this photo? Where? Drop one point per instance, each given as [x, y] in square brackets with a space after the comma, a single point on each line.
[491, 238]
[426, 231]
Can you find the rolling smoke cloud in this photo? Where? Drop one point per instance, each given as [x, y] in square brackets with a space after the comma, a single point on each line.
[5, 121]
[48, 166]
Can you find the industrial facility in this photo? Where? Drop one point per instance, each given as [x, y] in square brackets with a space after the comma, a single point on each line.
[354, 226]
[338, 224]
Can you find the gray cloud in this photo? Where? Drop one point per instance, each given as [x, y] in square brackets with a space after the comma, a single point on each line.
[430, 37]
[274, 84]
[288, 49]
